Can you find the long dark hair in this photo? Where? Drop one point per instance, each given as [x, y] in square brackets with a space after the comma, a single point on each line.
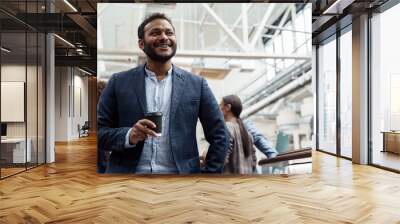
[236, 108]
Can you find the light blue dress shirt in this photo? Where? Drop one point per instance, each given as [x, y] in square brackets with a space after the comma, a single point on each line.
[157, 154]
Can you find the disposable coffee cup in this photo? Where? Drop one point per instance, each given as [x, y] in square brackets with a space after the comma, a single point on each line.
[156, 118]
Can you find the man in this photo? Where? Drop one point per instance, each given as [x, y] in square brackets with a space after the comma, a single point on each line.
[159, 86]
[260, 141]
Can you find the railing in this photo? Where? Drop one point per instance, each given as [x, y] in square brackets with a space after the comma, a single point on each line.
[291, 155]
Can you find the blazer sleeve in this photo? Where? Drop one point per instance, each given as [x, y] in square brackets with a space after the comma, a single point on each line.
[260, 141]
[215, 131]
[110, 136]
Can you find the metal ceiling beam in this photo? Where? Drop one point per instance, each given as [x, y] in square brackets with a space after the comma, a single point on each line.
[84, 24]
[64, 41]
[338, 6]
[260, 27]
[293, 17]
[321, 22]
[204, 17]
[91, 6]
[196, 22]
[286, 29]
[267, 35]
[245, 31]
[43, 22]
[64, 6]
[16, 18]
[83, 61]
[235, 24]
[224, 27]
[281, 23]
[249, 5]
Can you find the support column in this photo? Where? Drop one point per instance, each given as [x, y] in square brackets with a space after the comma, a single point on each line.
[50, 99]
[315, 95]
[360, 90]
[50, 92]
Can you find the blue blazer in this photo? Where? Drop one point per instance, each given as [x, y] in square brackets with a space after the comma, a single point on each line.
[123, 102]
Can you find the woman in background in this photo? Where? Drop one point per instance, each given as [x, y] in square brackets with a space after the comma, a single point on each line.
[241, 157]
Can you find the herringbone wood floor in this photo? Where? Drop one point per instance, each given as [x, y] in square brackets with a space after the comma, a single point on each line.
[70, 191]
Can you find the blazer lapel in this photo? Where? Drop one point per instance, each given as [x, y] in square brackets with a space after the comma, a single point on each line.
[178, 80]
[139, 86]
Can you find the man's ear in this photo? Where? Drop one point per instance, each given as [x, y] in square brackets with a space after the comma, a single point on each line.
[141, 44]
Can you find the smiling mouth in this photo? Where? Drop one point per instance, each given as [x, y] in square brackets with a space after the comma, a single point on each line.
[163, 46]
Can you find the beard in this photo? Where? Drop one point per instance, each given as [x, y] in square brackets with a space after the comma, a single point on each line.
[152, 54]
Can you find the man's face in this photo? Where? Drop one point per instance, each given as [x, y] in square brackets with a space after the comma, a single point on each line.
[159, 41]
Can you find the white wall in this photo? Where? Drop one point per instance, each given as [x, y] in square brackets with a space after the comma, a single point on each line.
[61, 103]
[70, 84]
[389, 67]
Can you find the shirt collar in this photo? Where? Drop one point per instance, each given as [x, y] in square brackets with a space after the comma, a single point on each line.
[152, 74]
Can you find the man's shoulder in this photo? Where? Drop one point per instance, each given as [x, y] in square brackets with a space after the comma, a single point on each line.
[188, 75]
[127, 73]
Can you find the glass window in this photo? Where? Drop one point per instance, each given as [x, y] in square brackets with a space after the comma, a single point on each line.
[346, 94]
[31, 97]
[13, 86]
[22, 93]
[327, 96]
[385, 86]
[41, 79]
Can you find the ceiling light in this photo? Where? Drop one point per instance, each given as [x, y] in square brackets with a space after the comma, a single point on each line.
[64, 40]
[86, 72]
[79, 51]
[70, 5]
[5, 50]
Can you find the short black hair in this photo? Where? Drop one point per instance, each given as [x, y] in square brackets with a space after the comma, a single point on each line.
[150, 18]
